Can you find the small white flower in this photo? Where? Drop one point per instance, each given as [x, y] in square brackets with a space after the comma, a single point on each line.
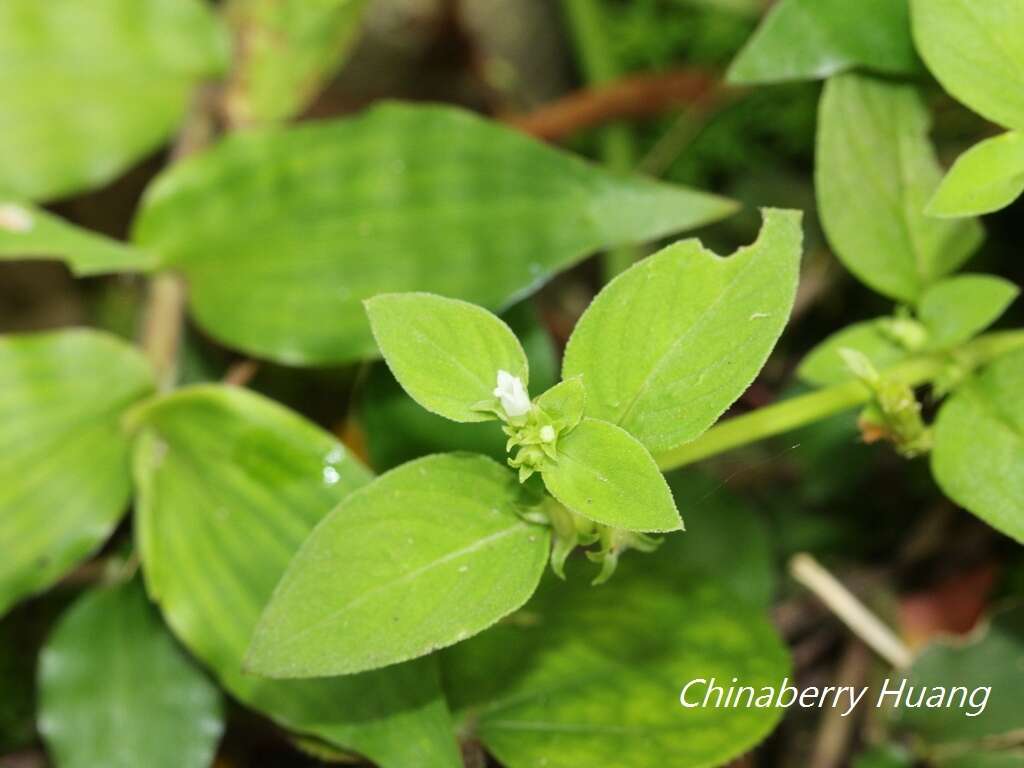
[14, 218]
[512, 394]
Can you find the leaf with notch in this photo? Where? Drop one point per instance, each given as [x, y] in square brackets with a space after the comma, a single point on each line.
[229, 486]
[427, 555]
[279, 255]
[874, 173]
[671, 343]
[603, 473]
[65, 478]
[445, 353]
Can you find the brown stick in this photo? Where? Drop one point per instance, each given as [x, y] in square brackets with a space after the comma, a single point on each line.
[632, 97]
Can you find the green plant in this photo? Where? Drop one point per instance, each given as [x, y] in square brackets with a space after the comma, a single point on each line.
[350, 608]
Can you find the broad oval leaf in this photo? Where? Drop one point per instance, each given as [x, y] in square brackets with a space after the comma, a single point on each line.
[824, 365]
[279, 254]
[606, 475]
[230, 484]
[668, 345]
[90, 86]
[976, 51]
[116, 690]
[427, 555]
[593, 676]
[874, 173]
[812, 39]
[28, 232]
[397, 429]
[65, 478]
[987, 177]
[285, 52]
[957, 309]
[978, 458]
[445, 353]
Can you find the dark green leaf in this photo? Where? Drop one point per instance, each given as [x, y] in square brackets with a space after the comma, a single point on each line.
[230, 485]
[425, 556]
[91, 86]
[812, 39]
[65, 478]
[279, 254]
[116, 691]
[875, 172]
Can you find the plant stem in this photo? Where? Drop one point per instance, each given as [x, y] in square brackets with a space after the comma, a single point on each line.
[799, 411]
[589, 30]
[164, 313]
[853, 613]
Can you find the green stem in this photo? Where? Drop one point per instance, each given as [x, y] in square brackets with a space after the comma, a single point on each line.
[589, 30]
[805, 409]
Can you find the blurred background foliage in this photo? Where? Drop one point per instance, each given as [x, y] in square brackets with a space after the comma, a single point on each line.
[872, 516]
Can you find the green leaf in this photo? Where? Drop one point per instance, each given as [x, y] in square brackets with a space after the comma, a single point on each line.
[668, 345]
[27, 232]
[824, 365]
[433, 552]
[874, 173]
[115, 690]
[230, 484]
[397, 429]
[445, 353]
[606, 475]
[91, 86]
[987, 177]
[978, 458]
[812, 39]
[588, 677]
[976, 51]
[279, 254]
[286, 51]
[565, 402]
[65, 479]
[961, 307]
[991, 659]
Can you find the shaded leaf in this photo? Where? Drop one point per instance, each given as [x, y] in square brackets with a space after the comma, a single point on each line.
[976, 51]
[606, 475]
[812, 39]
[978, 459]
[65, 478]
[27, 232]
[987, 177]
[445, 353]
[668, 345]
[875, 172]
[90, 86]
[959, 308]
[287, 50]
[427, 555]
[117, 691]
[824, 365]
[230, 485]
[279, 255]
[592, 676]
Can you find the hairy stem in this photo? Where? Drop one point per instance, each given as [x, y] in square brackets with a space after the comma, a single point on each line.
[799, 411]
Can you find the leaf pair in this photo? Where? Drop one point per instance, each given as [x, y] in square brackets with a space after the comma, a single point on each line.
[442, 547]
